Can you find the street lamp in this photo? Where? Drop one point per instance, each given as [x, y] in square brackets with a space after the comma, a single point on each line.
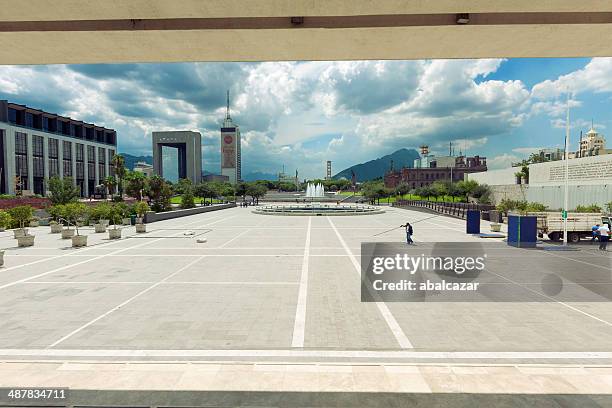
[565, 192]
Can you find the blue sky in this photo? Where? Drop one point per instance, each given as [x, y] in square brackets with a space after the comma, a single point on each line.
[300, 114]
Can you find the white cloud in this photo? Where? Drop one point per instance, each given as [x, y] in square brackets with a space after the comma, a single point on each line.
[502, 161]
[595, 77]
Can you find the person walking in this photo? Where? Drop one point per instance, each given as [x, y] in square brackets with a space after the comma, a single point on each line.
[409, 232]
[604, 237]
[594, 233]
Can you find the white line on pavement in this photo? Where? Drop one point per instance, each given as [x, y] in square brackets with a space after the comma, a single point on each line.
[373, 354]
[395, 328]
[119, 306]
[99, 257]
[299, 325]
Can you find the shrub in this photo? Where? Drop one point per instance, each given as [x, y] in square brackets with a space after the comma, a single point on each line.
[536, 207]
[75, 212]
[141, 208]
[5, 219]
[593, 208]
[21, 215]
[609, 207]
[115, 214]
[187, 199]
[56, 211]
[99, 212]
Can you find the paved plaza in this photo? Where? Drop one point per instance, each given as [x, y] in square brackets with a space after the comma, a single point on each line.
[278, 291]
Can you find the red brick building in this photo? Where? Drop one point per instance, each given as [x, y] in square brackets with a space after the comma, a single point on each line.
[420, 177]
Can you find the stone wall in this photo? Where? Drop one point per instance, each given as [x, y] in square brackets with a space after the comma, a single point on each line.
[153, 216]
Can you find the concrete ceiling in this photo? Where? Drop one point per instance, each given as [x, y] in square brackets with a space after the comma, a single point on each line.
[86, 31]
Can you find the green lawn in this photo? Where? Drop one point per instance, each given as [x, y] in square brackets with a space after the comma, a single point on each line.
[446, 199]
[197, 200]
[348, 193]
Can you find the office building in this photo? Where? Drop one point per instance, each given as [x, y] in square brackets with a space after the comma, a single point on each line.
[144, 168]
[231, 161]
[37, 145]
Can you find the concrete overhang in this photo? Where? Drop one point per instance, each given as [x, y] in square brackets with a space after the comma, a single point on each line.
[93, 31]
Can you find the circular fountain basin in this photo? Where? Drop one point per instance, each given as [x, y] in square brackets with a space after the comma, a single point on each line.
[317, 209]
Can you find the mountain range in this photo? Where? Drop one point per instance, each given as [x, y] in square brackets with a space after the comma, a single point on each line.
[363, 171]
[377, 167]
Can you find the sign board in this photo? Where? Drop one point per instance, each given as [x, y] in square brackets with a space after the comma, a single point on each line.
[228, 150]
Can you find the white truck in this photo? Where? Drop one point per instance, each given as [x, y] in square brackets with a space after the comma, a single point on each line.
[579, 225]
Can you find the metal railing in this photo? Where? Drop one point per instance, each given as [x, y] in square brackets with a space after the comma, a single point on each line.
[458, 210]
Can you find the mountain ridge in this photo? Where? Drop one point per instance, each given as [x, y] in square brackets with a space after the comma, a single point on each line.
[377, 167]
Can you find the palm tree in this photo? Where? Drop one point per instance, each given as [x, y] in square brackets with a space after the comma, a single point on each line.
[118, 163]
[110, 182]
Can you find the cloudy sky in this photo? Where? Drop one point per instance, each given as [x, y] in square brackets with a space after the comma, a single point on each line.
[301, 114]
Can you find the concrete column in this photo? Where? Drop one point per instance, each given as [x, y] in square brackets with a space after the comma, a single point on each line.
[97, 165]
[30, 163]
[73, 151]
[85, 171]
[9, 160]
[60, 158]
[107, 162]
[46, 163]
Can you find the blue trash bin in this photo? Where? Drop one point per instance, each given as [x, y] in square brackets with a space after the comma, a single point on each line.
[472, 222]
[522, 231]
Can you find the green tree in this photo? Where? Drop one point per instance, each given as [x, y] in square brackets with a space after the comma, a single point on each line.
[110, 183]
[466, 187]
[62, 191]
[256, 191]
[75, 213]
[118, 163]
[187, 199]
[160, 194]
[136, 184]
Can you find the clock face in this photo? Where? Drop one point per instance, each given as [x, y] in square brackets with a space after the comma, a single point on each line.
[228, 139]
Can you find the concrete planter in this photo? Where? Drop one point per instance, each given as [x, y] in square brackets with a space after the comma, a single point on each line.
[34, 224]
[79, 240]
[141, 228]
[1, 258]
[67, 233]
[114, 233]
[25, 241]
[126, 221]
[100, 228]
[495, 227]
[20, 232]
[139, 220]
[56, 228]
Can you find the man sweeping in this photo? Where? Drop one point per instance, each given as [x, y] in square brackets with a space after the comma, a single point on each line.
[409, 233]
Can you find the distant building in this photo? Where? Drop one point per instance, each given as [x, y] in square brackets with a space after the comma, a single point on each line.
[36, 145]
[215, 177]
[551, 154]
[592, 144]
[424, 176]
[145, 168]
[231, 161]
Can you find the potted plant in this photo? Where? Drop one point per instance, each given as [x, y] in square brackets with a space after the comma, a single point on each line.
[56, 212]
[5, 220]
[141, 209]
[116, 213]
[22, 216]
[34, 222]
[74, 214]
[100, 215]
[495, 227]
[124, 213]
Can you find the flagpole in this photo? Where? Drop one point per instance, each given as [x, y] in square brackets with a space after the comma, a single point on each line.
[565, 193]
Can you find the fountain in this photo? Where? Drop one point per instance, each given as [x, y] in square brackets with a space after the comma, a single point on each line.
[315, 190]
